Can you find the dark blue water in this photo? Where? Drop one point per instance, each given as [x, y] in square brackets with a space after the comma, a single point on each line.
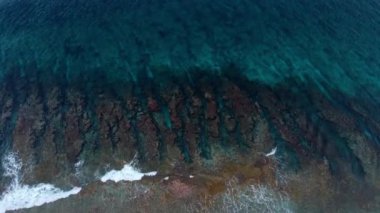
[331, 42]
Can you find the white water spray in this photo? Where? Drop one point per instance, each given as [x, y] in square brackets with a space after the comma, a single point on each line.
[272, 152]
[20, 196]
[127, 173]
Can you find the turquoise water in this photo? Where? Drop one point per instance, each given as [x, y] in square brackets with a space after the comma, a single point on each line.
[329, 42]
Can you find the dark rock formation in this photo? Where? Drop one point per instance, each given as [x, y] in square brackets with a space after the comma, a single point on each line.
[53, 125]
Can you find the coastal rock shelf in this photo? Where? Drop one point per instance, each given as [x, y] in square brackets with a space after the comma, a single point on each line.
[54, 124]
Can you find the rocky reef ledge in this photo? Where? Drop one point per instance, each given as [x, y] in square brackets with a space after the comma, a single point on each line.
[219, 124]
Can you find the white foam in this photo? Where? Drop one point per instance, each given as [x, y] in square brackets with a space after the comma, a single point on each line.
[78, 167]
[20, 196]
[127, 173]
[12, 166]
[254, 198]
[25, 196]
[79, 164]
[272, 152]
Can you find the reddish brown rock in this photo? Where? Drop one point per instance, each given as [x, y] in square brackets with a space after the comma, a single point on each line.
[148, 137]
[73, 130]
[153, 105]
[29, 126]
[230, 123]
[180, 189]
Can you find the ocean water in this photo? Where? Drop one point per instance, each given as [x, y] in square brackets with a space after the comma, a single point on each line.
[330, 42]
[90, 83]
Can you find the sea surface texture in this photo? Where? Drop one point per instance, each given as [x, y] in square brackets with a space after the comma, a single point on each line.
[214, 105]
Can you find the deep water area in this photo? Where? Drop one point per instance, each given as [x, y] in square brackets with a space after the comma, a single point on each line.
[196, 87]
[330, 41]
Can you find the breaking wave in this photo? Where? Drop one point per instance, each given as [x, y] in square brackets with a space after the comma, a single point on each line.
[20, 196]
[127, 173]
